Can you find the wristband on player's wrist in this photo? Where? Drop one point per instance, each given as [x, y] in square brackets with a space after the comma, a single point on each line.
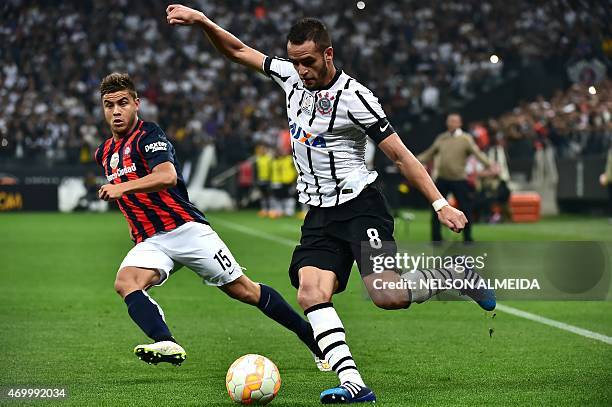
[439, 204]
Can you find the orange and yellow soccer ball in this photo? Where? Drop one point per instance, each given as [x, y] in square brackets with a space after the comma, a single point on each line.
[252, 379]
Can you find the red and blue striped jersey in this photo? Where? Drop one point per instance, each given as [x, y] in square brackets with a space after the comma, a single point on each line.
[135, 156]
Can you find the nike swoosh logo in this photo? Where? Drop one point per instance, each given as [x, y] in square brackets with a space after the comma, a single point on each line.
[384, 128]
[231, 272]
[373, 258]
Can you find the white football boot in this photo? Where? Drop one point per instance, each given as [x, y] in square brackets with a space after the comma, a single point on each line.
[164, 351]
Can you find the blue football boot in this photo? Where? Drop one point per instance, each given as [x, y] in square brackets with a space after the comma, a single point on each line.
[348, 393]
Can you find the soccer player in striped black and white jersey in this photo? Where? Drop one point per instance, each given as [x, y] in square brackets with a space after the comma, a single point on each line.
[330, 114]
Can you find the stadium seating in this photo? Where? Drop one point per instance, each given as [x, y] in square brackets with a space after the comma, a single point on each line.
[418, 56]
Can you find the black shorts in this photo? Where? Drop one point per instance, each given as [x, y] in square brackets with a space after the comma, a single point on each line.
[334, 237]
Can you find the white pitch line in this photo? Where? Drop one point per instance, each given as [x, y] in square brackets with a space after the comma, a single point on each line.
[556, 324]
[500, 307]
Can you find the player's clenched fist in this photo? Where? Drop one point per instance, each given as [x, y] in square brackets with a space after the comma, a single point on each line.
[453, 218]
[183, 15]
[110, 192]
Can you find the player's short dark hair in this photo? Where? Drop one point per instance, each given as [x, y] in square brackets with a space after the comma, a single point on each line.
[115, 82]
[310, 29]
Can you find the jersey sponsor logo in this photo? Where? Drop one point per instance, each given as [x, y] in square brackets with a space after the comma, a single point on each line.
[157, 146]
[324, 104]
[307, 104]
[121, 172]
[304, 137]
[114, 161]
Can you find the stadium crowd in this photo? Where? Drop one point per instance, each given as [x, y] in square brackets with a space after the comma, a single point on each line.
[575, 122]
[415, 55]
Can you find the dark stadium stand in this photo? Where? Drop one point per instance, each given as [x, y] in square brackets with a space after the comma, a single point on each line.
[420, 58]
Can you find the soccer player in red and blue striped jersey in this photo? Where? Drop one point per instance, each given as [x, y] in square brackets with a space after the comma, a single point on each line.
[169, 231]
[127, 161]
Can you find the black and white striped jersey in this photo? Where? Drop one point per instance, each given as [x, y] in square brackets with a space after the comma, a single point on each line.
[328, 129]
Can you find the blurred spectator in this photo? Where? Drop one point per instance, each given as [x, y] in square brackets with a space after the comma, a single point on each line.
[263, 167]
[282, 184]
[450, 153]
[605, 180]
[245, 183]
[491, 193]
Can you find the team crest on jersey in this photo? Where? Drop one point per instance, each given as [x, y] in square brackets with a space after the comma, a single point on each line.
[324, 104]
[307, 104]
[127, 150]
[114, 161]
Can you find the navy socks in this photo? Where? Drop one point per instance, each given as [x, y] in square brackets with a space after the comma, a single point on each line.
[148, 315]
[275, 307]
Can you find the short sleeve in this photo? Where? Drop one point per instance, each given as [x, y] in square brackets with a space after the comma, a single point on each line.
[155, 147]
[279, 69]
[97, 156]
[366, 112]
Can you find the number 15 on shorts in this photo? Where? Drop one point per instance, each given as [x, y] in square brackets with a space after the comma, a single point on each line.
[223, 260]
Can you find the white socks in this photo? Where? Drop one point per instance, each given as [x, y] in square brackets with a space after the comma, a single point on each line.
[331, 339]
[421, 294]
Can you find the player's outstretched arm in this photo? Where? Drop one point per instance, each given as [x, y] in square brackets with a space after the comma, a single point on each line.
[162, 176]
[417, 175]
[224, 41]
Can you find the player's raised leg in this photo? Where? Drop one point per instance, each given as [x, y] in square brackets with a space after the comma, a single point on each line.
[384, 297]
[273, 305]
[316, 287]
[130, 284]
[484, 297]
[390, 290]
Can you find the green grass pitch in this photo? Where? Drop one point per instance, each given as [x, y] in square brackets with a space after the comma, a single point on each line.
[62, 325]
